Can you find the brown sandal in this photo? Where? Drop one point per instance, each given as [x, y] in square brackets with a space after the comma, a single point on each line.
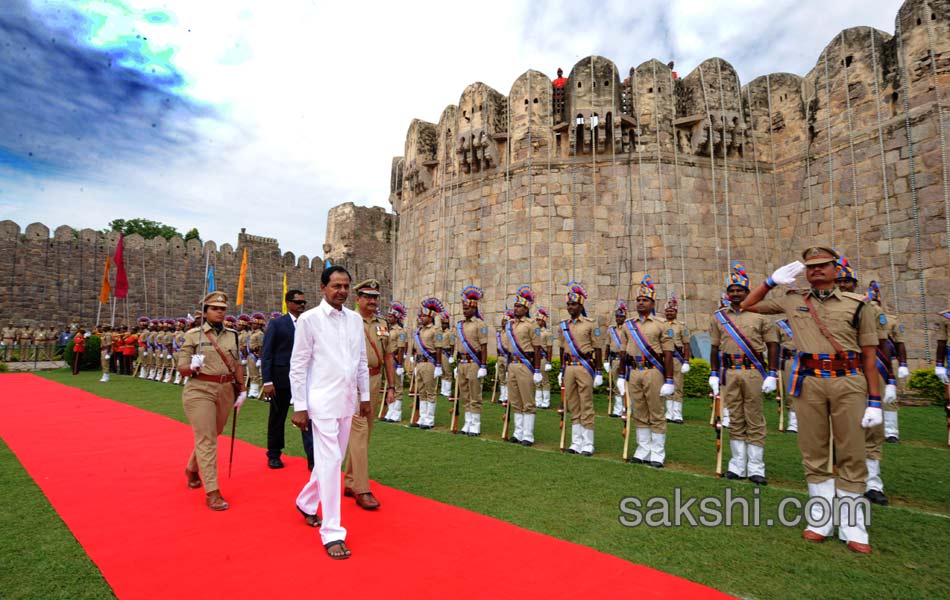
[342, 555]
[310, 520]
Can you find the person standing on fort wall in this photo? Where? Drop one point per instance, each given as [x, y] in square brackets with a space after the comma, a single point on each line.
[833, 380]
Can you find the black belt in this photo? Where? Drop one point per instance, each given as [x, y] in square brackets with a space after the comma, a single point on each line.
[528, 355]
[737, 361]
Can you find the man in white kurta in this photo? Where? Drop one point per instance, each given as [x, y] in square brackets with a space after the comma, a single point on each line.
[328, 369]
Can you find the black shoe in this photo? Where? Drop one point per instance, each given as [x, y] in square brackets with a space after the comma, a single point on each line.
[758, 480]
[613, 416]
[586, 453]
[513, 440]
[678, 421]
[892, 439]
[634, 460]
[876, 497]
[570, 451]
[656, 464]
[733, 476]
[413, 425]
[526, 443]
[275, 463]
[425, 427]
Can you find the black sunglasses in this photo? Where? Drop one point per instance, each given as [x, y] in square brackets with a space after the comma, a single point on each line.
[298, 302]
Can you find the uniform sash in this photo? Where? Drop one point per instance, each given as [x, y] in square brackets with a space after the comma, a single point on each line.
[615, 336]
[740, 340]
[783, 325]
[518, 352]
[247, 346]
[883, 365]
[425, 352]
[573, 346]
[501, 347]
[469, 349]
[644, 345]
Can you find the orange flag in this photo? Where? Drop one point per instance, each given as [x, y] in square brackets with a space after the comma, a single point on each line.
[106, 289]
[240, 291]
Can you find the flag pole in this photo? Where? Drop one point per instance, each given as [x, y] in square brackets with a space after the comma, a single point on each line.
[98, 313]
[113, 312]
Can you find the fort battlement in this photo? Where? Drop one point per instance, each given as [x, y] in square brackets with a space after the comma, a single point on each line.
[608, 174]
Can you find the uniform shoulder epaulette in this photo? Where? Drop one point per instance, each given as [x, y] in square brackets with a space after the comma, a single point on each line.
[230, 329]
[859, 297]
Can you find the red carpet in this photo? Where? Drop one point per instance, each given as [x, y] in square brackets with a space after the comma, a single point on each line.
[114, 474]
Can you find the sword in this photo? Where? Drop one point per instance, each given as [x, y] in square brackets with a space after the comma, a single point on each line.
[231, 454]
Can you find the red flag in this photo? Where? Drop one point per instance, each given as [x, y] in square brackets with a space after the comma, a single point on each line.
[121, 281]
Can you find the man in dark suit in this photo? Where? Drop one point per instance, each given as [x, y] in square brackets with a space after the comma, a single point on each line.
[275, 371]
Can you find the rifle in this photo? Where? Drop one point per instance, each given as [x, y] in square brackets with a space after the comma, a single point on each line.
[455, 402]
[626, 427]
[946, 389]
[382, 402]
[563, 413]
[781, 403]
[717, 425]
[610, 386]
[494, 385]
[507, 425]
[414, 395]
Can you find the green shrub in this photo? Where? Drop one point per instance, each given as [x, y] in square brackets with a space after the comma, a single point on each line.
[3, 367]
[90, 360]
[929, 386]
[696, 382]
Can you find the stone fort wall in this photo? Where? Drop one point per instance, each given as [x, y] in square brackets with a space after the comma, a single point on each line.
[56, 279]
[615, 175]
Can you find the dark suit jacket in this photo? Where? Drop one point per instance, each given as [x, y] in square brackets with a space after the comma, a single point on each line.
[275, 355]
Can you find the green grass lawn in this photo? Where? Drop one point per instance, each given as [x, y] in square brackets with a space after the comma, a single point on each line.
[574, 498]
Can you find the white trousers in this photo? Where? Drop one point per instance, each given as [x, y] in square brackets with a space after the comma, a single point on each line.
[330, 437]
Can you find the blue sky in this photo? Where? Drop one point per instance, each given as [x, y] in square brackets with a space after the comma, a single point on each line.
[229, 114]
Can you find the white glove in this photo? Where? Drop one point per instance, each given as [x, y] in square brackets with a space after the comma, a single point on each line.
[536, 378]
[622, 386]
[145, 353]
[451, 360]
[547, 366]
[786, 275]
[240, 399]
[903, 372]
[598, 380]
[725, 416]
[412, 358]
[455, 372]
[400, 371]
[88, 334]
[606, 366]
[560, 379]
[714, 383]
[257, 363]
[668, 389]
[685, 368]
[769, 384]
[438, 372]
[244, 362]
[941, 373]
[872, 417]
[482, 372]
[890, 393]
[197, 361]
[108, 356]
[415, 370]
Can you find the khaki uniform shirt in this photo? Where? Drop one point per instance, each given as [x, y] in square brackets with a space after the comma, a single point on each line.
[655, 332]
[178, 340]
[25, 335]
[476, 333]
[39, 336]
[242, 341]
[431, 337]
[526, 333]
[398, 333]
[547, 338]
[196, 342]
[895, 329]
[756, 328]
[680, 334]
[447, 345]
[378, 335]
[105, 342]
[255, 340]
[611, 345]
[586, 336]
[836, 312]
[8, 334]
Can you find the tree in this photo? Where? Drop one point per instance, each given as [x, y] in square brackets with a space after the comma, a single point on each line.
[193, 234]
[144, 227]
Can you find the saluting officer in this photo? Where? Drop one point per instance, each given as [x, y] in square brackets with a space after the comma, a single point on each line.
[212, 361]
[523, 343]
[648, 358]
[833, 378]
[682, 353]
[739, 340]
[581, 355]
[471, 351]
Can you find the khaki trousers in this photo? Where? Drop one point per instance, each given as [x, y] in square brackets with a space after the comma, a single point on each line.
[207, 406]
[649, 410]
[521, 389]
[470, 387]
[501, 371]
[425, 381]
[254, 373]
[678, 382]
[786, 397]
[104, 361]
[843, 399]
[874, 437]
[579, 395]
[356, 475]
[8, 350]
[742, 393]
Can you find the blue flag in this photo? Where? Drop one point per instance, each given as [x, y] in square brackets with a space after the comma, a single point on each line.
[210, 278]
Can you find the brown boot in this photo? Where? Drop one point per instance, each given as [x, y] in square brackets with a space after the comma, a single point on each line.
[367, 501]
[194, 480]
[215, 501]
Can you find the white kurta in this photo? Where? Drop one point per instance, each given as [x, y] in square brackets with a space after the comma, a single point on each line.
[328, 369]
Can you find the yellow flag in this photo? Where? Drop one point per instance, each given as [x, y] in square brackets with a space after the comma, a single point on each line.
[106, 289]
[240, 292]
[283, 297]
